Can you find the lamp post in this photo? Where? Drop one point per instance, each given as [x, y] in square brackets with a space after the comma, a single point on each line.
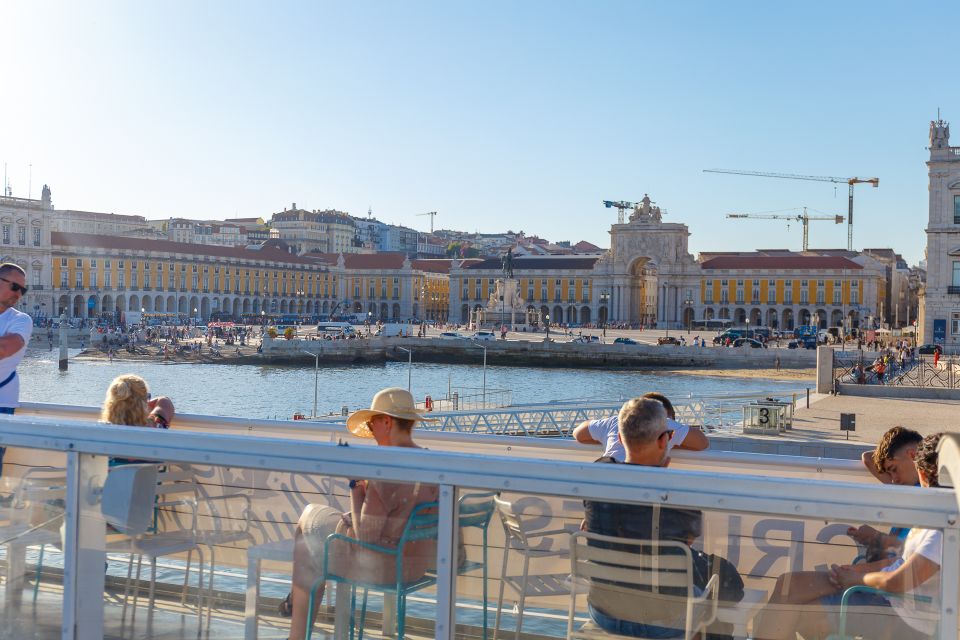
[409, 366]
[369, 321]
[688, 304]
[143, 318]
[548, 327]
[316, 378]
[477, 344]
[194, 316]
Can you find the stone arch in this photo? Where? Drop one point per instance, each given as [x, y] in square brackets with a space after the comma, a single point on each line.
[63, 305]
[708, 313]
[78, 307]
[171, 304]
[805, 317]
[787, 319]
[772, 318]
[836, 318]
[147, 304]
[544, 312]
[396, 311]
[357, 307]
[158, 304]
[755, 317]
[740, 316]
[183, 307]
[725, 313]
[384, 311]
[584, 315]
[134, 303]
[602, 315]
[106, 305]
[121, 303]
[556, 316]
[90, 309]
[324, 307]
[688, 317]
[464, 314]
[247, 305]
[205, 307]
[821, 318]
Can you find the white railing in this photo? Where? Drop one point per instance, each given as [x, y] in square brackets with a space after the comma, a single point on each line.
[86, 445]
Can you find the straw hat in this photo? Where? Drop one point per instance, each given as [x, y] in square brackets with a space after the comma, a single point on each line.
[394, 402]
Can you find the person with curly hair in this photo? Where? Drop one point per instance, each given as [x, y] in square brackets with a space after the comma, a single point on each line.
[128, 402]
[812, 597]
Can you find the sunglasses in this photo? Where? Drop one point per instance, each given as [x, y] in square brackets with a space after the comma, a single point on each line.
[16, 288]
[669, 433]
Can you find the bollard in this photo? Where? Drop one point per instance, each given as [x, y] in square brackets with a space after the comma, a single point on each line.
[808, 397]
[344, 410]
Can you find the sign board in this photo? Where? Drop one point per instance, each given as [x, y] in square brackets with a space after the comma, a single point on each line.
[939, 331]
[848, 422]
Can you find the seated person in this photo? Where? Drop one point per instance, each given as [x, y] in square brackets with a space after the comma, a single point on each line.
[645, 433]
[890, 463]
[128, 402]
[379, 510]
[915, 572]
[605, 432]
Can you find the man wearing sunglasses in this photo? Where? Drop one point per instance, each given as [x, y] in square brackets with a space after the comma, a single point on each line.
[15, 330]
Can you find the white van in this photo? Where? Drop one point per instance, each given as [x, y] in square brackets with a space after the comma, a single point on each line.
[395, 329]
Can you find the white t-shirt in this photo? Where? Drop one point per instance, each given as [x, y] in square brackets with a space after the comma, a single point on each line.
[13, 321]
[922, 616]
[607, 432]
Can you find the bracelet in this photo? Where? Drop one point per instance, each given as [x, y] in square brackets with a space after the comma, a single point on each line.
[353, 484]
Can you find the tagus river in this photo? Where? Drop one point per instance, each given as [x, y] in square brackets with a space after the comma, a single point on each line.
[254, 391]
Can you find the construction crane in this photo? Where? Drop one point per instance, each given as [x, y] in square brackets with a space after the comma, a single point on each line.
[432, 215]
[792, 176]
[620, 206]
[804, 218]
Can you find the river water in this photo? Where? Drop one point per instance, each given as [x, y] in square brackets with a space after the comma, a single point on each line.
[273, 391]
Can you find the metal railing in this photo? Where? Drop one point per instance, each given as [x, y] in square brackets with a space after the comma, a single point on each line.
[467, 399]
[713, 413]
[86, 445]
[854, 367]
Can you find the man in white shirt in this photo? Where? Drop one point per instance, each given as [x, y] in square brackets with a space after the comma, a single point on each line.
[605, 431]
[15, 330]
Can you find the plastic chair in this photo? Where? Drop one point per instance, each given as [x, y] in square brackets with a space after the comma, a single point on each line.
[665, 579]
[132, 494]
[421, 525]
[476, 510]
[845, 606]
[39, 488]
[518, 539]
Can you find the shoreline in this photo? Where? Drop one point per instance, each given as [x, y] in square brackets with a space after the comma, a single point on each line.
[249, 355]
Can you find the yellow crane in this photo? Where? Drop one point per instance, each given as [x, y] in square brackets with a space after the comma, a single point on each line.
[432, 215]
[803, 217]
[792, 176]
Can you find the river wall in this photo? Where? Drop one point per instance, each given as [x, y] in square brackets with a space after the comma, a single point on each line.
[536, 353]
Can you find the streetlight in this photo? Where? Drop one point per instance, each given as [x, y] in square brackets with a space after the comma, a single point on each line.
[548, 327]
[688, 304]
[477, 344]
[194, 316]
[316, 377]
[369, 321]
[409, 365]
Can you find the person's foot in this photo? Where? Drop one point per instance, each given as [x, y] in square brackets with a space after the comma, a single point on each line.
[286, 606]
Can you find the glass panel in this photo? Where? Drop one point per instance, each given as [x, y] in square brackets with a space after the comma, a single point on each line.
[31, 514]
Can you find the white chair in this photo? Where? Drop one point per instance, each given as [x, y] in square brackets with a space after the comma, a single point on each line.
[280, 551]
[30, 517]
[531, 545]
[655, 578]
[132, 494]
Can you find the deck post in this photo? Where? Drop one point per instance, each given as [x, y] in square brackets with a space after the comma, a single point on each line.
[84, 548]
[447, 544]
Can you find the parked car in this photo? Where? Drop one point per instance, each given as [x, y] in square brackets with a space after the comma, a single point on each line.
[733, 334]
[749, 342]
[929, 349]
[484, 335]
[625, 341]
[585, 339]
[452, 335]
[668, 340]
[802, 343]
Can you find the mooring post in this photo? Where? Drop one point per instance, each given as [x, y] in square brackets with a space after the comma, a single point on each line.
[63, 341]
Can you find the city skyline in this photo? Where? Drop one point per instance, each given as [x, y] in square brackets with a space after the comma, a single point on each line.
[498, 117]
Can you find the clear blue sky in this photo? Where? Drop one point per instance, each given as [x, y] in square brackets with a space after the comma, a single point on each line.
[499, 115]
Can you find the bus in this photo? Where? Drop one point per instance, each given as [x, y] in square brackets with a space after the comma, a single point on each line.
[714, 324]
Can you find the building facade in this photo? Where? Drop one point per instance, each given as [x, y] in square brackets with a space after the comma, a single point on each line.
[940, 302]
[317, 231]
[25, 240]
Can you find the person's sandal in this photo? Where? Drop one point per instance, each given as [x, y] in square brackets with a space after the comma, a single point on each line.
[286, 606]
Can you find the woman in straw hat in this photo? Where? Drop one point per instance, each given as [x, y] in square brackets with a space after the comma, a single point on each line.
[378, 512]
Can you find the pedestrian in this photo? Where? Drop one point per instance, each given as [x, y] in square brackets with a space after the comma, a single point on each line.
[776, 363]
[16, 328]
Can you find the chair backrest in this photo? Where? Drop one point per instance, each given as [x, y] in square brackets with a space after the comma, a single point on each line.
[512, 527]
[129, 494]
[476, 509]
[648, 569]
[421, 525]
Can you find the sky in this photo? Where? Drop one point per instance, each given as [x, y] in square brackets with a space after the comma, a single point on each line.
[499, 115]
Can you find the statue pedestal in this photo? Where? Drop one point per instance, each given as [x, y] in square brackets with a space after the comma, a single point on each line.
[505, 307]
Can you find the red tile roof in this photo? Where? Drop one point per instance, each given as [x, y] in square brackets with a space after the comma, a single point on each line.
[761, 263]
[122, 243]
[528, 264]
[583, 246]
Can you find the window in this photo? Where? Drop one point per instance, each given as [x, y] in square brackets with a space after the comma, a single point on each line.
[106, 264]
[804, 283]
[36, 236]
[146, 280]
[956, 274]
[63, 279]
[804, 295]
[79, 275]
[723, 283]
[956, 209]
[120, 280]
[106, 278]
[93, 279]
[854, 296]
[836, 296]
[955, 324]
[93, 263]
[63, 262]
[22, 236]
[6, 234]
[755, 298]
[79, 262]
[119, 264]
[820, 296]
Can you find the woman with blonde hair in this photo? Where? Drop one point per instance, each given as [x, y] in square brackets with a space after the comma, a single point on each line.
[128, 402]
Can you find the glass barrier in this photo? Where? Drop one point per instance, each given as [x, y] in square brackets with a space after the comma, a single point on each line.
[31, 521]
[554, 563]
